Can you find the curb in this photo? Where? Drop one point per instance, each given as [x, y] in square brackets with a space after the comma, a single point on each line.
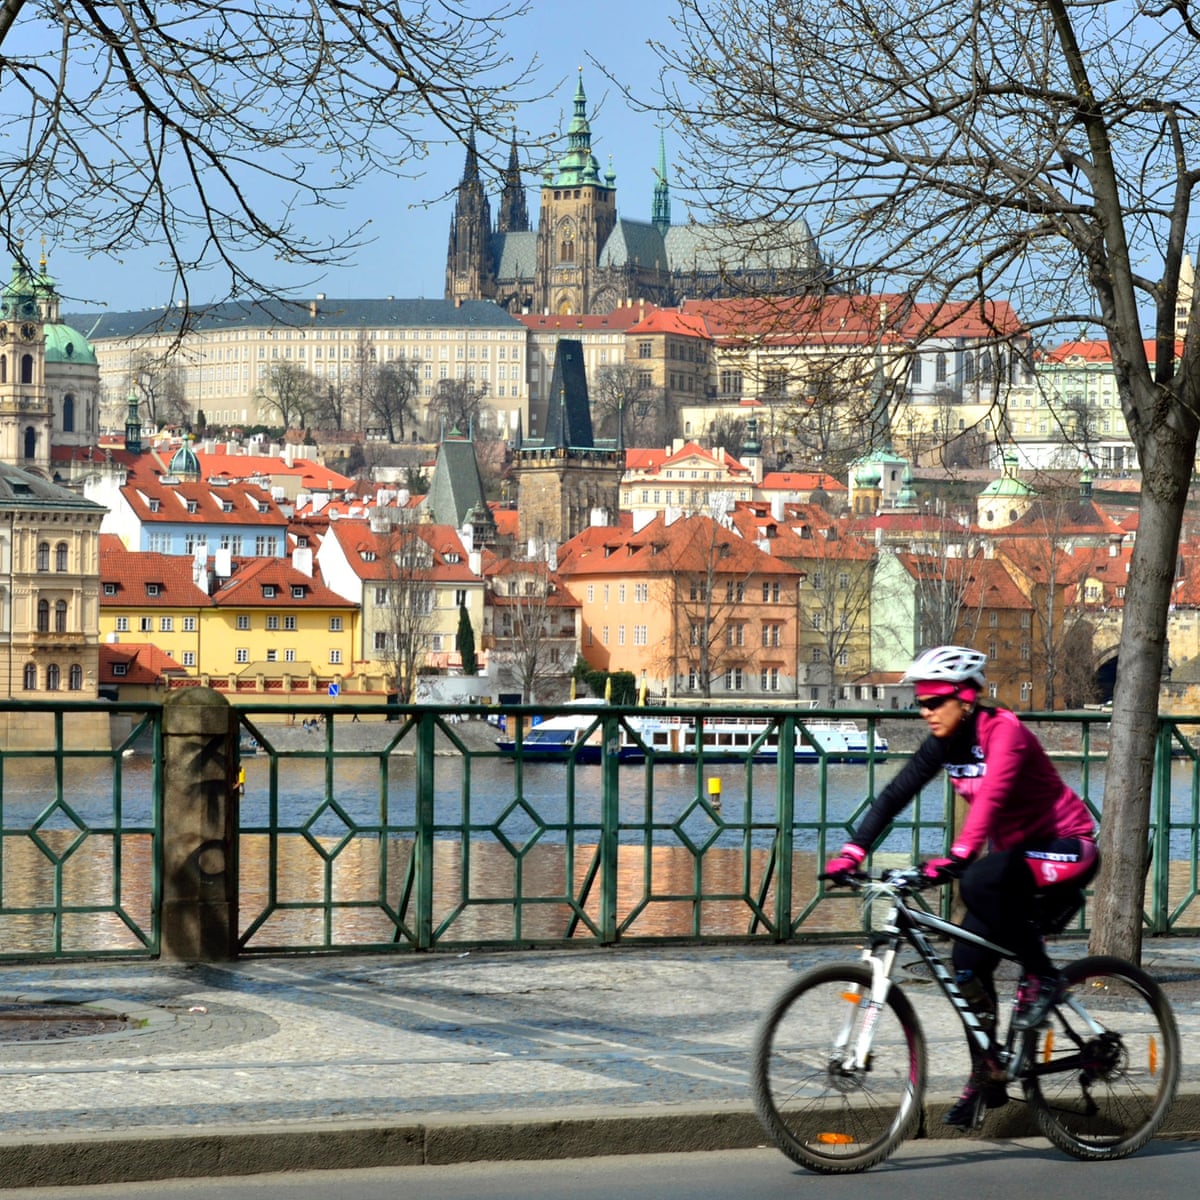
[178, 1153]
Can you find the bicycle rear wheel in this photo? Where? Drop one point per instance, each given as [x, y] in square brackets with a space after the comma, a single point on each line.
[820, 1112]
[1101, 1087]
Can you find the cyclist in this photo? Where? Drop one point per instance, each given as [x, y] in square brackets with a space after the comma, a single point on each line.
[1026, 834]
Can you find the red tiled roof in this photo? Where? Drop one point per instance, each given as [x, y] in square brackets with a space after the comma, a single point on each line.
[143, 663]
[146, 579]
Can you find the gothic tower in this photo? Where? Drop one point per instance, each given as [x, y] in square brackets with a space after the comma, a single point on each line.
[578, 212]
[25, 412]
[469, 271]
[513, 216]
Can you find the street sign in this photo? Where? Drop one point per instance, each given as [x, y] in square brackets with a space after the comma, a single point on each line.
[334, 689]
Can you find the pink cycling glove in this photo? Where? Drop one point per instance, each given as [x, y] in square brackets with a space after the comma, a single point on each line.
[848, 860]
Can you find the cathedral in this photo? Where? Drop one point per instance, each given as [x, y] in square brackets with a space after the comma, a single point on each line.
[585, 258]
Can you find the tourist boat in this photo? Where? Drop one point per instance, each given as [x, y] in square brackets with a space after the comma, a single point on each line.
[577, 736]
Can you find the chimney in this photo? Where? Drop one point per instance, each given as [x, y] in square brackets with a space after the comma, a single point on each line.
[302, 560]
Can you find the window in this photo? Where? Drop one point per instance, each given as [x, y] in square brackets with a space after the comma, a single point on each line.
[243, 622]
[53, 678]
[145, 624]
[110, 589]
[242, 655]
[335, 656]
[460, 597]
[122, 624]
[641, 593]
[152, 589]
[289, 656]
[189, 658]
[289, 623]
[993, 619]
[770, 679]
[735, 634]
[75, 678]
[381, 597]
[816, 654]
[31, 675]
[733, 679]
[731, 383]
[298, 591]
[770, 593]
[771, 635]
[189, 624]
[120, 668]
[843, 658]
[273, 621]
[268, 591]
[43, 556]
[1025, 651]
[818, 619]
[166, 624]
[60, 556]
[335, 624]
[620, 635]
[640, 635]
[604, 635]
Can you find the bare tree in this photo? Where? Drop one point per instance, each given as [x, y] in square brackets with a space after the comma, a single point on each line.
[1031, 148]
[395, 387]
[411, 601]
[140, 125]
[828, 424]
[291, 394]
[329, 410]
[533, 627]
[622, 401]
[835, 605]
[457, 404]
[158, 382]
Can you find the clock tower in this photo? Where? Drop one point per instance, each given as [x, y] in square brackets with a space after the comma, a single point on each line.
[25, 411]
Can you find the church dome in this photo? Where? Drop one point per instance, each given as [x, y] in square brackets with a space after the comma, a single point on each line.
[67, 345]
[184, 461]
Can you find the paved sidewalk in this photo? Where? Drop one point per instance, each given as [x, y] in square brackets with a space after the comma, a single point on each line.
[368, 1060]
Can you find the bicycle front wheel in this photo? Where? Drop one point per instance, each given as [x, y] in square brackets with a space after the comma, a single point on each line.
[1102, 1072]
[820, 1107]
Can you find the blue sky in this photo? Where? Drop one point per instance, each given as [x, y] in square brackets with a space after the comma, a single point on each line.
[410, 223]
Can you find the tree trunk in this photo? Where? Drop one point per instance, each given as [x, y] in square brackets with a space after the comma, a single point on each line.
[1119, 892]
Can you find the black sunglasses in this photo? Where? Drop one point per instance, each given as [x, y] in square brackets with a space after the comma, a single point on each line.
[930, 703]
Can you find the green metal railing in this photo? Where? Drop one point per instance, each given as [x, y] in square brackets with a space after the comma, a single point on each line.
[419, 832]
[80, 827]
[452, 843]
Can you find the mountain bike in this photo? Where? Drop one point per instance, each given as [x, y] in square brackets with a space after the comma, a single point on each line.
[839, 1069]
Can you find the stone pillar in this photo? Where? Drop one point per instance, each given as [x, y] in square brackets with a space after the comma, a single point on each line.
[200, 824]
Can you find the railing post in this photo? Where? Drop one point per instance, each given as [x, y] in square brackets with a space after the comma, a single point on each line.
[785, 828]
[423, 846]
[199, 921]
[1158, 845]
[610, 812]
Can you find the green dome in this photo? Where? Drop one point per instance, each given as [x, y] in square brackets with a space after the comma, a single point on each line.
[184, 461]
[868, 476]
[67, 345]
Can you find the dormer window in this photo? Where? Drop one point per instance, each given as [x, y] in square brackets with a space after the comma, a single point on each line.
[192, 506]
[120, 668]
[298, 591]
[263, 507]
[452, 557]
[369, 556]
[155, 504]
[227, 506]
[110, 589]
[268, 591]
[152, 589]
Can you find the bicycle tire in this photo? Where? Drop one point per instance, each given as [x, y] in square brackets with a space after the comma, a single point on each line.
[820, 1115]
[1117, 1093]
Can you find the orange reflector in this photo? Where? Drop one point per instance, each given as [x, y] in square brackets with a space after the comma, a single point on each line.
[1048, 1045]
[851, 997]
[834, 1139]
[1152, 1055]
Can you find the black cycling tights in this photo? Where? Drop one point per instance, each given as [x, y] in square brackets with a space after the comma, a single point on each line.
[998, 891]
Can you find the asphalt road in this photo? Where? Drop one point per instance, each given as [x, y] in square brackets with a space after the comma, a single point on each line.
[984, 1170]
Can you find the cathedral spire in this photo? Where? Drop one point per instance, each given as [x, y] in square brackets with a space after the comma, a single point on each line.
[513, 215]
[660, 213]
[469, 268]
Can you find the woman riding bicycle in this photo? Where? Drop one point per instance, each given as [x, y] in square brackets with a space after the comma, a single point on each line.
[1026, 834]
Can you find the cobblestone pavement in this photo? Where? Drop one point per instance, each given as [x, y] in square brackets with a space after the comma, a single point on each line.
[283, 1042]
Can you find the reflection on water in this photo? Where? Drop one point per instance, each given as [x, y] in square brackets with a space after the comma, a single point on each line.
[514, 854]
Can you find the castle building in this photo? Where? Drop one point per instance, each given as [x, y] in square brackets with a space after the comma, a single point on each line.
[586, 258]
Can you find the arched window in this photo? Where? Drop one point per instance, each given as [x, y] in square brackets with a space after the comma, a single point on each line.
[43, 556]
[68, 411]
[43, 616]
[26, 368]
[60, 616]
[3, 368]
[30, 442]
[75, 678]
[30, 677]
[60, 556]
[53, 678]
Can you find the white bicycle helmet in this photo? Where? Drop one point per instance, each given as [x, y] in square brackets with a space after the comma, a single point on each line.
[948, 664]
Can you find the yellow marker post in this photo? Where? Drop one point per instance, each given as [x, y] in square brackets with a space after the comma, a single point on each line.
[714, 792]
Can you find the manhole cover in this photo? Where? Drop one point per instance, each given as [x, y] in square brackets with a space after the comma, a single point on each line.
[53, 1022]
